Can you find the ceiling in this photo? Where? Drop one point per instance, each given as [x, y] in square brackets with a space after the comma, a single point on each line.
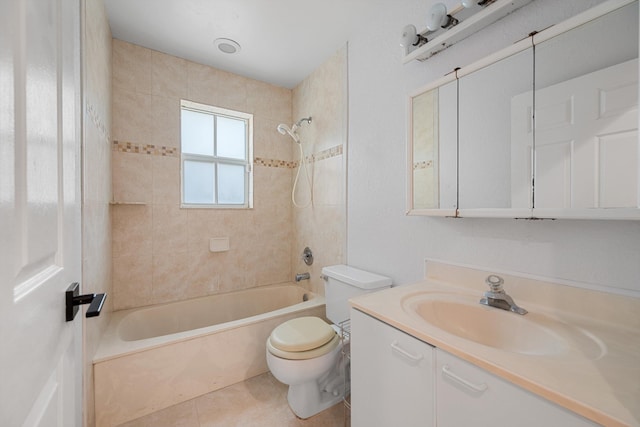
[282, 41]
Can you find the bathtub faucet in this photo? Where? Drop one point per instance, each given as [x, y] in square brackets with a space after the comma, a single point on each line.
[302, 276]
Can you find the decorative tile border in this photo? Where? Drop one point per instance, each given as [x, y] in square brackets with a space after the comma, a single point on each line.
[131, 147]
[328, 153]
[271, 163]
[423, 165]
[150, 149]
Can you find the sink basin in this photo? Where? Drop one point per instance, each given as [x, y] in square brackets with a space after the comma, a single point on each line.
[531, 334]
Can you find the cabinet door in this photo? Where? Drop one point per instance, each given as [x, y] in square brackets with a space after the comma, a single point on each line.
[470, 396]
[391, 376]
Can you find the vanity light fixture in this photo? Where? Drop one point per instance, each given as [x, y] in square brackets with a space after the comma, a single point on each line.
[439, 18]
[227, 45]
[445, 28]
[410, 37]
[471, 3]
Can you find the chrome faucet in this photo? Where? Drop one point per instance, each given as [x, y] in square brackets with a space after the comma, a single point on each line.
[497, 297]
[302, 276]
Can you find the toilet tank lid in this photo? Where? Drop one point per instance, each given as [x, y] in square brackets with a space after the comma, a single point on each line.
[356, 277]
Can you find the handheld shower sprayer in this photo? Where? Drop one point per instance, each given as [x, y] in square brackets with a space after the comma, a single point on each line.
[293, 133]
[293, 130]
[284, 129]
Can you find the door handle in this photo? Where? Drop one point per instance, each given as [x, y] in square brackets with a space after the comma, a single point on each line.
[74, 299]
[478, 388]
[405, 353]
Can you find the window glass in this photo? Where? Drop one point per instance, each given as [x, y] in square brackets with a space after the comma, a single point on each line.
[197, 132]
[199, 182]
[231, 184]
[216, 151]
[230, 137]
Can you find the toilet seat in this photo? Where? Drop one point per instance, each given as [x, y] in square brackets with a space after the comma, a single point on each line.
[302, 338]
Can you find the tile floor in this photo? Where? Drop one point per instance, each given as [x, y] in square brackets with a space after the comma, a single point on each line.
[259, 401]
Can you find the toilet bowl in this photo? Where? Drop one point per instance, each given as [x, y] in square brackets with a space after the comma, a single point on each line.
[306, 353]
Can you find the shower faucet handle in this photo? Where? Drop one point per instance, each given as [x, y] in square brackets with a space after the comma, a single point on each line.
[307, 256]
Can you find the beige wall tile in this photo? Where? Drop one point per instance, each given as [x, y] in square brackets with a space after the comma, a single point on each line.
[169, 229]
[131, 67]
[165, 119]
[131, 230]
[202, 82]
[96, 191]
[328, 182]
[204, 272]
[166, 180]
[168, 75]
[132, 281]
[132, 177]
[131, 116]
[322, 227]
[268, 142]
[231, 92]
[170, 276]
[268, 101]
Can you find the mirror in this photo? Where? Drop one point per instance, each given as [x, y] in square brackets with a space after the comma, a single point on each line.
[432, 149]
[586, 102]
[494, 173]
[576, 156]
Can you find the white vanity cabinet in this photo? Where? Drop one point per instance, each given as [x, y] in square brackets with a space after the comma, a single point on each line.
[392, 380]
[470, 396]
[399, 380]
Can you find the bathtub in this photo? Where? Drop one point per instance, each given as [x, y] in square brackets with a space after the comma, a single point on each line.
[153, 357]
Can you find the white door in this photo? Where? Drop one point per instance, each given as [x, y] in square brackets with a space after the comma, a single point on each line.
[40, 353]
[586, 142]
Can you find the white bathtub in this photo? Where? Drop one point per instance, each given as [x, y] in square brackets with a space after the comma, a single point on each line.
[154, 357]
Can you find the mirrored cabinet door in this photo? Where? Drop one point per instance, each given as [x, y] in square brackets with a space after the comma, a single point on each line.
[545, 128]
[496, 137]
[586, 119]
[432, 150]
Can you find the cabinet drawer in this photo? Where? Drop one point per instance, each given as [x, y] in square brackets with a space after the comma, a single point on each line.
[470, 396]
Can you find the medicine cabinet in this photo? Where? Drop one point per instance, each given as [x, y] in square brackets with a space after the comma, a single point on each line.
[546, 128]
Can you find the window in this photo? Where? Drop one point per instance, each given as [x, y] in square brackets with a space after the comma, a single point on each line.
[216, 153]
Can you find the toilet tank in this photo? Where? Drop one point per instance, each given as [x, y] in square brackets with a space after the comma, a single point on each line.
[342, 282]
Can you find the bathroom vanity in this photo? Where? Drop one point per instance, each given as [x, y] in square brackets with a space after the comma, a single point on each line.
[429, 354]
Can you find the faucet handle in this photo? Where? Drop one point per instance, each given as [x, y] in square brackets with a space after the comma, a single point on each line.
[495, 283]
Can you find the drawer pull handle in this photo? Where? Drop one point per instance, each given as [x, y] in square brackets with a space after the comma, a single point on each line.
[396, 347]
[475, 387]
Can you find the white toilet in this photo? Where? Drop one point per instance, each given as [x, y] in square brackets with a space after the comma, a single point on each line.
[305, 352]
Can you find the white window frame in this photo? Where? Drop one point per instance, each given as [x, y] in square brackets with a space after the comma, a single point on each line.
[216, 160]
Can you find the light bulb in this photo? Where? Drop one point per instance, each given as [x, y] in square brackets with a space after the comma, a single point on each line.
[437, 16]
[469, 3]
[409, 36]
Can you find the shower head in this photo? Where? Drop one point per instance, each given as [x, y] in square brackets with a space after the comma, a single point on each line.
[304, 119]
[284, 129]
[293, 131]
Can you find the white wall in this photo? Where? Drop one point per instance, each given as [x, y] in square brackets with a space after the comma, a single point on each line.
[381, 238]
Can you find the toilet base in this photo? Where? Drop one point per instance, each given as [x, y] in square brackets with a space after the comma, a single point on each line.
[306, 400]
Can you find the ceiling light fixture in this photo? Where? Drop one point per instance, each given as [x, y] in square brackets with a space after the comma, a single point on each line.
[227, 45]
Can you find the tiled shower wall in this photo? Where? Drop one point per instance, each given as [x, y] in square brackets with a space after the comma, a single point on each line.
[322, 226]
[96, 184]
[160, 251]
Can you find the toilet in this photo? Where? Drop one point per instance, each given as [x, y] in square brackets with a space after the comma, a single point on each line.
[305, 352]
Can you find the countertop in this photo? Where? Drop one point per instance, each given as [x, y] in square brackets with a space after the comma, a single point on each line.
[603, 386]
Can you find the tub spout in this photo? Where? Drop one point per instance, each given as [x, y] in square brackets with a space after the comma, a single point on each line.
[302, 276]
